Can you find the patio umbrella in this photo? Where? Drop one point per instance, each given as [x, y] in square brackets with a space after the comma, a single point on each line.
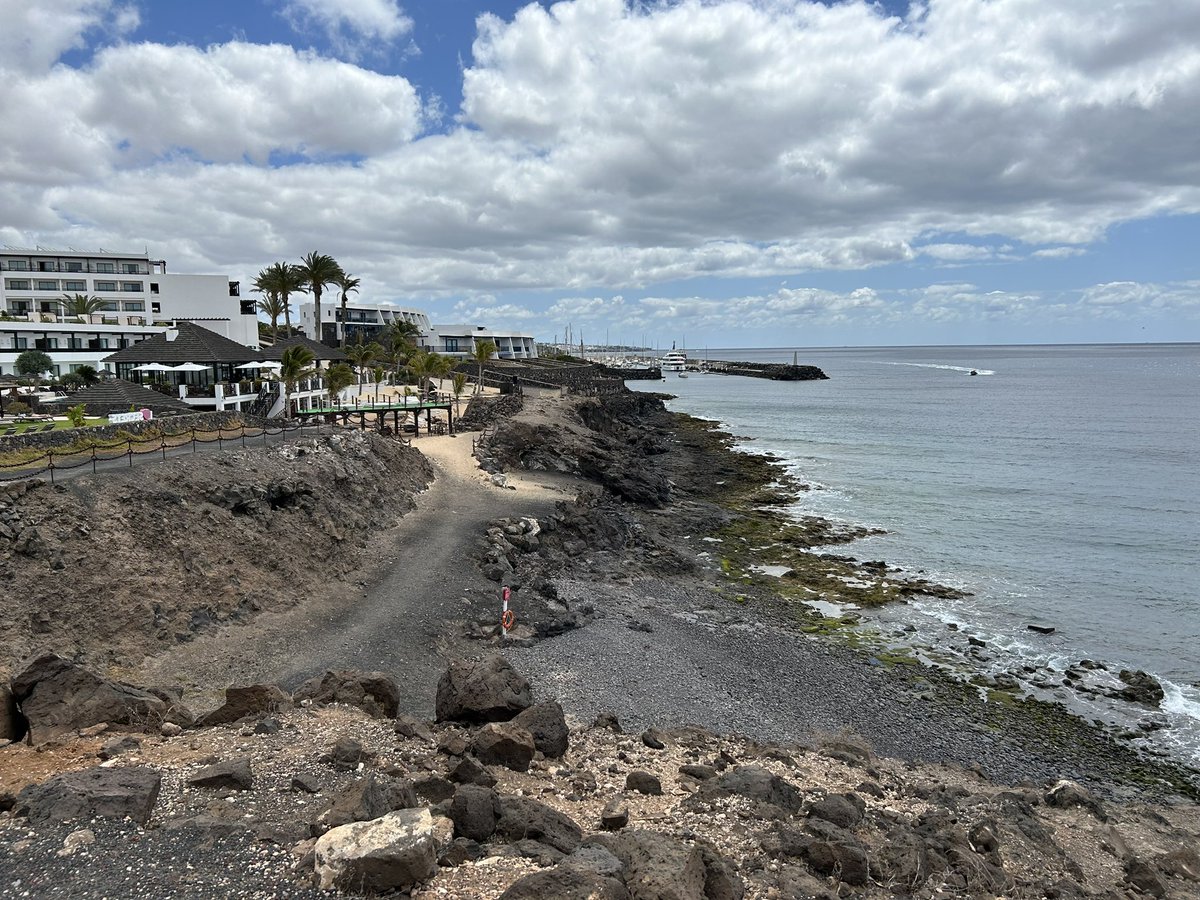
[189, 367]
[260, 365]
[152, 367]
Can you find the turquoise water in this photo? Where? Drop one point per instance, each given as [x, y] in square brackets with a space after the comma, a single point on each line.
[1060, 485]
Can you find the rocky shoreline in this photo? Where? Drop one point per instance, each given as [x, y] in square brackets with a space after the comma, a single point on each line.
[693, 729]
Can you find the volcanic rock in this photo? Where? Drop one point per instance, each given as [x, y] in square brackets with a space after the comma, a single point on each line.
[546, 723]
[373, 692]
[109, 792]
[486, 691]
[247, 700]
[388, 854]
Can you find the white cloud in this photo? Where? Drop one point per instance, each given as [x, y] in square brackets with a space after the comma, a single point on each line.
[611, 145]
[351, 25]
[35, 34]
[1059, 252]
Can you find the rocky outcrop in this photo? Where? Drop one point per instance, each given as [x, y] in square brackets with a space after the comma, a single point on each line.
[771, 371]
[486, 691]
[114, 793]
[247, 700]
[389, 854]
[373, 692]
[233, 774]
[57, 697]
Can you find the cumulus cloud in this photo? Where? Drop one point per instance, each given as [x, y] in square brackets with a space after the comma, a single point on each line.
[350, 24]
[604, 144]
[35, 34]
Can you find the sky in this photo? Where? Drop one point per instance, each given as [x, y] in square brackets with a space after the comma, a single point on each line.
[725, 173]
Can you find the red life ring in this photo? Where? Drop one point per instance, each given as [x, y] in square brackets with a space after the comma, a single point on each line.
[508, 620]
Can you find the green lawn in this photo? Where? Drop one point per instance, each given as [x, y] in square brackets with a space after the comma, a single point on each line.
[64, 425]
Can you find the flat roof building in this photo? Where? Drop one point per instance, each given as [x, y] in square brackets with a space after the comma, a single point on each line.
[138, 298]
[372, 322]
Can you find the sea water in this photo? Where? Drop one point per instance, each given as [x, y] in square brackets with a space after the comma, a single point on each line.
[1060, 485]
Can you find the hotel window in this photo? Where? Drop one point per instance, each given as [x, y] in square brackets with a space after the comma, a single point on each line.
[21, 343]
[48, 306]
[74, 285]
[154, 287]
[106, 285]
[73, 267]
[132, 286]
[451, 345]
[130, 269]
[17, 284]
[20, 307]
[155, 307]
[106, 268]
[110, 306]
[47, 285]
[75, 344]
[18, 265]
[47, 267]
[137, 306]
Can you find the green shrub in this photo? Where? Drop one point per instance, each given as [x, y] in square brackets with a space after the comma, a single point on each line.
[77, 415]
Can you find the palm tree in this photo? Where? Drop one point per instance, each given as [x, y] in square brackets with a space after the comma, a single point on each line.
[362, 355]
[339, 377]
[271, 305]
[459, 387]
[283, 279]
[316, 271]
[421, 366]
[296, 364]
[88, 374]
[346, 283]
[81, 305]
[402, 335]
[481, 353]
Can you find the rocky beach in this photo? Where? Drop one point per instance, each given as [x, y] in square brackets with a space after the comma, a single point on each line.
[300, 684]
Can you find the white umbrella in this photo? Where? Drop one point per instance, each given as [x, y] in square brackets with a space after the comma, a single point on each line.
[190, 367]
[260, 365]
[152, 367]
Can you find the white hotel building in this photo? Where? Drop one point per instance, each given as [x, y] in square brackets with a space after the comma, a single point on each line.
[371, 323]
[140, 299]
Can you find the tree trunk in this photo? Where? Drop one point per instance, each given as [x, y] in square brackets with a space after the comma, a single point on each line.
[287, 313]
[316, 289]
[343, 323]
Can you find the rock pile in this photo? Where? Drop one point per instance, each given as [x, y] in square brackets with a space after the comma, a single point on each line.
[499, 797]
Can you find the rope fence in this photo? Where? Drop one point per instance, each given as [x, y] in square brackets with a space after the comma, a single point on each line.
[127, 448]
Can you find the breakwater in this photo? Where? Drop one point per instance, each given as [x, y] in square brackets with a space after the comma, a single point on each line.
[770, 371]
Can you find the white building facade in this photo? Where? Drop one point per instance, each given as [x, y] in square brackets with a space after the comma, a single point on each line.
[372, 323]
[139, 299]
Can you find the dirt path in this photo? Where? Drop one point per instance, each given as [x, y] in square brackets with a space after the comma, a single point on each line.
[396, 618]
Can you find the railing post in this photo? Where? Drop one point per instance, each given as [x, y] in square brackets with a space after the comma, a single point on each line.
[129, 449]
[93, 459]
[163, 447]
[51, 455]
[193, 439]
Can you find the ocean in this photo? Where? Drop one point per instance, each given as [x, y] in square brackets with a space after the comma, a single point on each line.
[1060, 486]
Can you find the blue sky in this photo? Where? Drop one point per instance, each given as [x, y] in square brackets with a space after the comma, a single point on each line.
[730, 173]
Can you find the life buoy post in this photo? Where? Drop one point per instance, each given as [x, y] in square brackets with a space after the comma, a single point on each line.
[508, 618]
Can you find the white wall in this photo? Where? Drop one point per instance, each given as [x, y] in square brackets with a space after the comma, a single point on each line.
[200, 297]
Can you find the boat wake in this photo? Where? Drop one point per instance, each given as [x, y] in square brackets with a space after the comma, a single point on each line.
[939, 366]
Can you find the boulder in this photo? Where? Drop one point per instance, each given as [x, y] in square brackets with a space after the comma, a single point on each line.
[361, 801]
[468, 770]
[233, 774]
[391, 853]
[486, 691]
[346, 753]
[57, 697]
[659, 867]
[522, 818]
[548, 725]
[1182, 862]
[247, 700]
[643, 783]
[1066, 794]
[566, 883]
[373, 692]
[474, 811]
[412, 728]
[593, 857]
[615, 814]
[843, 810]
[114, 793]
[1140, 687]
[756, 784]
[504, 744]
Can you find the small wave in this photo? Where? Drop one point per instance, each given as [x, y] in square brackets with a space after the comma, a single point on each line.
[1176, 702]
[938, 366]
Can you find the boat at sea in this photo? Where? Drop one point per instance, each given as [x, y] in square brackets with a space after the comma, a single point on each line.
[675, 361]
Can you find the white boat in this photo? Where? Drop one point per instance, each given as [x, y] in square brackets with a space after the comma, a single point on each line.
[675, 361]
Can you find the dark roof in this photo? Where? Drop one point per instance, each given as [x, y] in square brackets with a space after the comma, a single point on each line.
[320, 351]
[116, 395]
[194, 343]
